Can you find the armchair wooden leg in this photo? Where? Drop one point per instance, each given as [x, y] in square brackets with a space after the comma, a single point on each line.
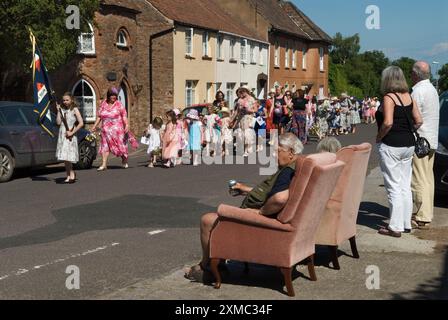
[311, 269]
[214, 266]
[354, 247]
[334, 257]
[287, 275]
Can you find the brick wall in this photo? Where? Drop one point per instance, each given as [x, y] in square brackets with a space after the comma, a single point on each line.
[298, 75]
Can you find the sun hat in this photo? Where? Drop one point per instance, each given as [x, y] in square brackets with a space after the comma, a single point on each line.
[193, 114]
[176, 111]
[272, 91]
[245, 87]
[225, 110]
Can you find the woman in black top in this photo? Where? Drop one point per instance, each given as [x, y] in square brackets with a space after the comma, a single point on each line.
[396, 142]
[279, 109]
[299, 116]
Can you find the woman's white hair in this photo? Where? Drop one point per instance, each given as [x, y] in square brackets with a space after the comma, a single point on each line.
[329, 144]
[291, 142]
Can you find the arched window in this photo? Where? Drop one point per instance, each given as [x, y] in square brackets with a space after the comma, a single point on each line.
[86, 99]
[122, 40]
[86, 41]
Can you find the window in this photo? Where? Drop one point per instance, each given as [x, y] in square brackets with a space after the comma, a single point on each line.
[218, 86]
[121, 39]
[13, 116]
[190, 93]
[232, 49]
[86, 99]
[244, 51]
[208, 90]
[252, 53]
[219, 47]
[321, 91]
[287, 56]
[230, 93]
[277, 55]
[261, 55]
[189, 41]
[205, 44]
[86, 41]
[304, 52]
[321, 59]
[294, 58]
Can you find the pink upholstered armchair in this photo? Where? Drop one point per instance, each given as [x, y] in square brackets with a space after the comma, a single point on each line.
[339, 221]
[244, 235]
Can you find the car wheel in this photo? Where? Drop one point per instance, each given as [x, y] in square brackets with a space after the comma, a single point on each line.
[86, 155]
[6, 165]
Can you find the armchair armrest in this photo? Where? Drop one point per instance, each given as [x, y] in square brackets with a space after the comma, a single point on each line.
[251, 217]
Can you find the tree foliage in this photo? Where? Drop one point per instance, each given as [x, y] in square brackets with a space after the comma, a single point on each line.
[47, 19]
[406, 65]
[344, 49]
[443, 78]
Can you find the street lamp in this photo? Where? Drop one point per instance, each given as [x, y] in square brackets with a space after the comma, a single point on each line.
[436, 65]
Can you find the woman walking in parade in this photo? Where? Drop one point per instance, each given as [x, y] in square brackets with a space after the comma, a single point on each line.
[114, 130]
[299, 116]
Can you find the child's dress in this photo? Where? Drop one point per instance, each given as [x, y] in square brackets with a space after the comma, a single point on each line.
[67, 150]
[227, 133]
[195, 136]
[154, 142]
[212, 128]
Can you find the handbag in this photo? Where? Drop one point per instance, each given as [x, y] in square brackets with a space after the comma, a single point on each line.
[422, 146]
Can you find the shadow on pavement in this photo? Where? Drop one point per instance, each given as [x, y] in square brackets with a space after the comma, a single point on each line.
[441, 201]
[372, 214]
[436, 288]
[133, 211]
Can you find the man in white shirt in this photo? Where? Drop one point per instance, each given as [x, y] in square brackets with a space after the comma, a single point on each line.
[427, 100]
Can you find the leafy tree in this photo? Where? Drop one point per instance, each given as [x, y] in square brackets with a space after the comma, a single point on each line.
[47, 20]
[406, 64]
[443, 78]
[344, 48]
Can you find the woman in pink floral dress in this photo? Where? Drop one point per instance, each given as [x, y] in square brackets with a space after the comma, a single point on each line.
[114, 129]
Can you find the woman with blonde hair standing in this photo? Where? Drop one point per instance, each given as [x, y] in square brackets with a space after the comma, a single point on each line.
[396, 144]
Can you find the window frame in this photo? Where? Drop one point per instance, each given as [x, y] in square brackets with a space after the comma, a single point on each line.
[277, 55]
[124, 35]
[83, 97]
[81, 37]
[189, 34]
[205, 44]
[321, 59]
[219, 46]
[304, 57]
[294, 58]
[193, 92]
[243, 51]
[232, 49]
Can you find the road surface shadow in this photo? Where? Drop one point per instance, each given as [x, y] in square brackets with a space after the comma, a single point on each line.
[372, 215]
[434, 289]
[132, 211]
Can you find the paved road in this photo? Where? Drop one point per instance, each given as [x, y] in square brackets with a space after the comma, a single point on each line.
[119, 227]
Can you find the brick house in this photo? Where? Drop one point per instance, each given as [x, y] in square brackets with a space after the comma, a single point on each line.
[125, 38]
[298, 47]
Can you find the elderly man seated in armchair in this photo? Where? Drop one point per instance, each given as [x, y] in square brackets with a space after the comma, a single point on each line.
[269, 197]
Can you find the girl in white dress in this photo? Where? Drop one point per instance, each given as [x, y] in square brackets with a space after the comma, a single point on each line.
[67, 148]
[153, 133]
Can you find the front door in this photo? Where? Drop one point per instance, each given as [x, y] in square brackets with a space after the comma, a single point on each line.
[122, 97]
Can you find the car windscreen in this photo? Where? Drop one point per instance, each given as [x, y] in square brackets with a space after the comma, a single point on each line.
[444, 111]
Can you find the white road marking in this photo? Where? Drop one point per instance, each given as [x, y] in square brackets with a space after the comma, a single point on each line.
[156, 232]
[22, 271]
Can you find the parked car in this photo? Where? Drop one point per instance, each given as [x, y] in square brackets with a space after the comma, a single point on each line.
[24, 144]
[441, 157]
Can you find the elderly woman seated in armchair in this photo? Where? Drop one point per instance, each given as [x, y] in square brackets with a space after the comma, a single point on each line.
[269, 197]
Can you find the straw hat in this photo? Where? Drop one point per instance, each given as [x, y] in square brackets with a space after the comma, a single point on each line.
[344, 95]
[225, 110]
[245, 88]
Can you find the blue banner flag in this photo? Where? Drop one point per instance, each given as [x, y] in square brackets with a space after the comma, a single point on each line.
[43, 94]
